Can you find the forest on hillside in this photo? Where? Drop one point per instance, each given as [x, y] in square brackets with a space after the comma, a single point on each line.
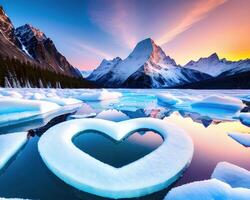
[14, 73]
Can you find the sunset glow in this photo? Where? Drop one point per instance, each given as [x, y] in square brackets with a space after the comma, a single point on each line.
[94, 30]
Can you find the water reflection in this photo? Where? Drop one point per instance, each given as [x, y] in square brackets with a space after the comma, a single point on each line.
[114, 153]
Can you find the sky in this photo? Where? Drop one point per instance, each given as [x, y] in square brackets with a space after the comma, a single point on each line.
[87, 31]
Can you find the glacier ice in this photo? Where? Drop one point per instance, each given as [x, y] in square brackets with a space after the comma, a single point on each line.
[231, 174]
[242, 138]
[245, 118]
[212, 189]
[10, 144]
[149, 174]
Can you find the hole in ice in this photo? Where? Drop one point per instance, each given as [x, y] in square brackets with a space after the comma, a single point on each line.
[114, 153]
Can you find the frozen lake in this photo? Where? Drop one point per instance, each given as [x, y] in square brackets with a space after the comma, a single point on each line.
[26, 176]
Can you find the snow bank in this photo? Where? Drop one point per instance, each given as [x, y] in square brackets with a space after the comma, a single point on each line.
[167, 99]
[220, 102]
[242, 138]
[99, 96]
[232, 174]
[208, 190]
[10, 144]
[149, 174]
[245, 118]
[112, 115]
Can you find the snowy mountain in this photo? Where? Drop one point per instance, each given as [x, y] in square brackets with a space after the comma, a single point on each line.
[86, 73]
[10, 46]
[43, 50]
[103, 69]
[214, 66]
[146, 67]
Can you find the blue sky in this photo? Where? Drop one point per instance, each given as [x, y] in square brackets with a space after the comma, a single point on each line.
[88, 31]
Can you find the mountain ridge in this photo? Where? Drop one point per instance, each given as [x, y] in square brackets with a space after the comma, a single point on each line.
[28, 44]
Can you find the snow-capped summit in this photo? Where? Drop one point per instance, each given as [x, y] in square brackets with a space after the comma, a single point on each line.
[104, 68]
[27, 32]
[146, 66]
[214, 66]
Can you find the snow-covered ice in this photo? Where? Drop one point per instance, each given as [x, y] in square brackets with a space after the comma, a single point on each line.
[233, 175]
[245, 118]
[217, 107]
[242, 138]
[13, 105]
[208, 190]
[159, 169]
[167, 99]
[98, 95]
[14, 110]
[112, 115]
[10, 144]
[220, 102]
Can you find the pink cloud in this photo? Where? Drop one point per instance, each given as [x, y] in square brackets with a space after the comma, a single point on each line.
[199, 12]
[116, 19]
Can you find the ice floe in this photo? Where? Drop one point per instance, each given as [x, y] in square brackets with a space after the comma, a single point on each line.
[245, 118]
[233, 175]
[13, 110]
[167, 99]
[217, 107]
[212, 189]
[98, 95]
[220, 102]
[242, 138]
[112, 115]
[149, 174]
[10, 144]
[10, 105]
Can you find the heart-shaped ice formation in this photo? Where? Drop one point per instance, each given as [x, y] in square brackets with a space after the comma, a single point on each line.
[149, 174]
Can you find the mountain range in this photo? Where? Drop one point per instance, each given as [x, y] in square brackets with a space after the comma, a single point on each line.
[147, 66]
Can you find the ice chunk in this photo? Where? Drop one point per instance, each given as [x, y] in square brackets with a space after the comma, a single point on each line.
[13, 111]
[37, 96]
[149, 174]
[245, 118]
[99, 95]
[208, 190]
[112, 115]
[232, 174]
[10, 144]
[220, 102]
[167, 99]
[62, 101]
[242, 138]
[11, 105]
[217, 107]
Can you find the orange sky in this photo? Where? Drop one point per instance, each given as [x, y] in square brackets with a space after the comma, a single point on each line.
[225, 30]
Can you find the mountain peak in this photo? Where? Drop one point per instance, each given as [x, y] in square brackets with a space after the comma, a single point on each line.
[214, 56]
[29, 32]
